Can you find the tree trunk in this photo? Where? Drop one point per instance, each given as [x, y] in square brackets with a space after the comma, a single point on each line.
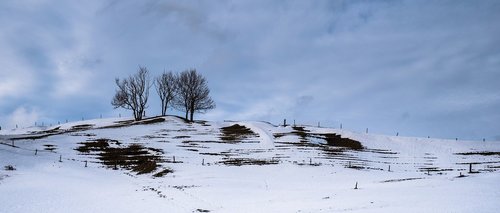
[163, 108]
[192, 110]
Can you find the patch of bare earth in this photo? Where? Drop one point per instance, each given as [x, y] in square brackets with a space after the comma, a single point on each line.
[134, 157]
[236, 133]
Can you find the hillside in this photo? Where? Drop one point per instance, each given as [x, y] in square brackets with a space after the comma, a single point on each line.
[165, 164]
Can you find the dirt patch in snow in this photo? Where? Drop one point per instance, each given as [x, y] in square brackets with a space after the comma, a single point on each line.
[49, 147]
[485, 153]
[248, 161]
[236, 133]
[134, 157]
[400, 180]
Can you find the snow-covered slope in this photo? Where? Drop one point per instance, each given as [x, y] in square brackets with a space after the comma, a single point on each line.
[165, 164]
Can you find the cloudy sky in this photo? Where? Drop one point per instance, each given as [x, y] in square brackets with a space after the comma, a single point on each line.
[420, 68]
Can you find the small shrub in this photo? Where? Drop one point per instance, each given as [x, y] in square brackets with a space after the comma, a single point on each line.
[10, 168]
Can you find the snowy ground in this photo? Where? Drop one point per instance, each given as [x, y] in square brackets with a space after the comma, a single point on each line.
[255, 167]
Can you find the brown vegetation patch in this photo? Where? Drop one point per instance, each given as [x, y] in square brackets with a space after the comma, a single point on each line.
[151, 120]
[248, 161]
[82, 127]
[301, 132]
[49, 147]
[134, 157]
[399, 180]
[485, 153]
[9, 168]
[163, 172]
[236, 133]
[336, 140]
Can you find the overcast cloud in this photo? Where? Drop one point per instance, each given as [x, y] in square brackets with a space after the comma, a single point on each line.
[420, 68]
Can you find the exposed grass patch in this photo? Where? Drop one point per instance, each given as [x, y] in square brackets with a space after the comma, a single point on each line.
[82, 127]
[9, 168]
[248, 161]
[236, 133]
[485, 153]
[399, 180]
[163, 172]
[134, 157]
[49, 147]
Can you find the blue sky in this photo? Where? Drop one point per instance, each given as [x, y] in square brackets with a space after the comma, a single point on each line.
[420, 68]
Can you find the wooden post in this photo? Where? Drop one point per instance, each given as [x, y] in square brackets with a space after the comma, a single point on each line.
[356, 186]
[349, 164]
[115, 166]
[318, 123]
[85, 163]
[174, 159]
[284, 122]
[36, 151]
[397, 133]
[203, 162]
[12, 142]
[389, 168]
[428, 171]
[294, 122]
[310, 161]
[470, 167]
[340, 125]
[60, 158]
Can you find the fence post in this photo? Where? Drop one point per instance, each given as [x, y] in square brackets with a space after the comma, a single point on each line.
[60, 158]
[203, 162]
[85, 163]
[340, 125]
[356, 186]
[36, 151]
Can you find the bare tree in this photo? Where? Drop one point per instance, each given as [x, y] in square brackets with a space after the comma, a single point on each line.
[133, 93]
[165, 86]
[193, 94]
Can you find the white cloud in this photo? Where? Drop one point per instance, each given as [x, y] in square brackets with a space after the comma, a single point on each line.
[23, 117]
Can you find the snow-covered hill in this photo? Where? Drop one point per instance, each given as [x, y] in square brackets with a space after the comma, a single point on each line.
[165, 164]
